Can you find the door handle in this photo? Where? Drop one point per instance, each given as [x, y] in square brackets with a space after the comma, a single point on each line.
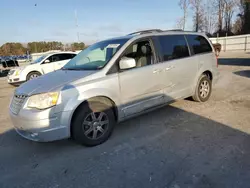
[156, 71]
[169, 68]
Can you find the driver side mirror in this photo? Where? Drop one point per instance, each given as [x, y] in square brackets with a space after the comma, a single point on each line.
[127, 63]
[47, 61]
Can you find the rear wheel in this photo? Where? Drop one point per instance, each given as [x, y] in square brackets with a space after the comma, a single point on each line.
[33, 75]
[93, 123]
[203, 89]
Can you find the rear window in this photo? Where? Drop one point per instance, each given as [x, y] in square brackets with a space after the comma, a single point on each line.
[173, 47]
[198, 44]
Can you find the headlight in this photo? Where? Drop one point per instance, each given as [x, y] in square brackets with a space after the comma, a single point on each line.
[43, 101]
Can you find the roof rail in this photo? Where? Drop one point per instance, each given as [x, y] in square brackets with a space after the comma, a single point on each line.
[146, 31]
[174, 30]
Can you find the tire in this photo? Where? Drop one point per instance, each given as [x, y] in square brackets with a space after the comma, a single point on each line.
[33, 75]
[87, 129]
[15, 85]
[203, 89]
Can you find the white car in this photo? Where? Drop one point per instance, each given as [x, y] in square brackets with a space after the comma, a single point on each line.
[43, 65]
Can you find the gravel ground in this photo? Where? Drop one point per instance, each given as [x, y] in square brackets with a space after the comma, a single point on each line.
[185, 144]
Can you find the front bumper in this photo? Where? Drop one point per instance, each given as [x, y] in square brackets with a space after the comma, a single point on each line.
[36, 127]
[15, 79]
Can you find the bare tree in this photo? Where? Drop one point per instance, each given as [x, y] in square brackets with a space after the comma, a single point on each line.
[209, 17]
[219, 5]
[246, 16]
[179, 23]
[198, 17]
[237, 26]
[220, 14]
[243, 16]
[184, 4]
[230, 6]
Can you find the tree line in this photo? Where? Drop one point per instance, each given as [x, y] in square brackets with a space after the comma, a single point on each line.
[216, 17]
[9, 49]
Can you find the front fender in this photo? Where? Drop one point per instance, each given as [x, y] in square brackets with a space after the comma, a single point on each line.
[28, 70]
[80, 97]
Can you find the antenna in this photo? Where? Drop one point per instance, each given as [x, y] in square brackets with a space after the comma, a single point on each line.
[76, 22]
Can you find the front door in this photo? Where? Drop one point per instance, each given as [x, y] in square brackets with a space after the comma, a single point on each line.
[49, 64]
[141, 87]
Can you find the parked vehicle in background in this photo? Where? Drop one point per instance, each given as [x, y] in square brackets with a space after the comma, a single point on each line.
[6, 65]
[114, 80]
[43, 65]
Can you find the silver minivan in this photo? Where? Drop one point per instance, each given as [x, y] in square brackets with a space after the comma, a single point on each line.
[111, 81]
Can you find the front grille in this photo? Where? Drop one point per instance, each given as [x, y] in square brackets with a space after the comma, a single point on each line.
[17, 103]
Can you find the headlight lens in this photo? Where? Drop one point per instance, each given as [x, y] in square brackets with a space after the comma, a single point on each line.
[43, 101]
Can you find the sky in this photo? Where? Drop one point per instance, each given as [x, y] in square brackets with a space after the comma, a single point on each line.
[47, 20]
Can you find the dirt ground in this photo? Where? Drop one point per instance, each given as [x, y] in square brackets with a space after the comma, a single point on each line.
[185, 144]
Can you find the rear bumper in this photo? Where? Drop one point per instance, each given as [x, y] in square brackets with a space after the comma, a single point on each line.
[41, 130]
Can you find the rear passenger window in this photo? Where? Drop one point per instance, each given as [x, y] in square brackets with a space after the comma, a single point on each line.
[198, 44]
[66, 56]
[173, 47]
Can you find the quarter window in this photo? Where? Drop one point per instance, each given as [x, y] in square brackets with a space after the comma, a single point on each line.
[173, 47]
[198, 44]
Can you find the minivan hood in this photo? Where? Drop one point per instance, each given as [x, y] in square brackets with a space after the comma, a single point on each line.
[51, 81]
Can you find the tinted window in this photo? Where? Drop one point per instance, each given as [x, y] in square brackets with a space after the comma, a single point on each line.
[66, 56]
[54, 58]
[198, 44]
[173, 47]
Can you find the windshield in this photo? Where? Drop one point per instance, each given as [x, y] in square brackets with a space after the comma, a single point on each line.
[95, 56]
[38, 60]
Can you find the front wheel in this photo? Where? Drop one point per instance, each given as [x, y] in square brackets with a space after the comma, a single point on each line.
[33, 75]
[93, 123]
[203, 89]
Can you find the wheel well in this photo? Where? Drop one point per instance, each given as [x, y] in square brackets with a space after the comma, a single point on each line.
[33, 72]
[209, 74]
[101, 99]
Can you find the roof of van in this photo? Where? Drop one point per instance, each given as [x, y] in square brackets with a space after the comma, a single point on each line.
[164, 32]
